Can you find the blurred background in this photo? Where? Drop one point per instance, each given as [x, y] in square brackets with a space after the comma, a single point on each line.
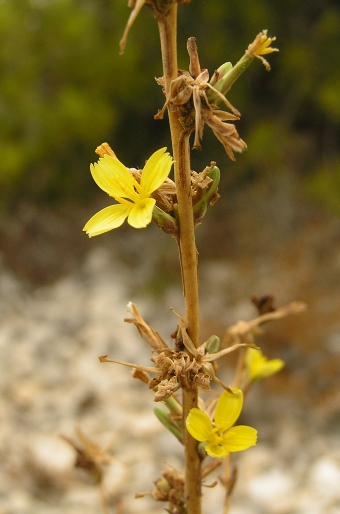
[64, 89]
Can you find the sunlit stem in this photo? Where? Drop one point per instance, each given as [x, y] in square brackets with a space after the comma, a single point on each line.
[187, 248]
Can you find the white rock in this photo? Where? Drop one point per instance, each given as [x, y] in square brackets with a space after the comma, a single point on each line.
[52, 454]
[270, 487]
[324, 476]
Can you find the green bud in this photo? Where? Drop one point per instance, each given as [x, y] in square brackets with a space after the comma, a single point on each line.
[163, 485]
[213, 344]
[218, 80]
[220, 72]
[166, 222]
[175, 427]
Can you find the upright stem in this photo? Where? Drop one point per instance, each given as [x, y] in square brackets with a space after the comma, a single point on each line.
[187, 246]
[181, 152]
[167, 24]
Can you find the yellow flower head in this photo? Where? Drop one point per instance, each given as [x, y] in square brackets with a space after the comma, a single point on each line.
[258, 366]
[222, 437]
[261, 46]
[134, 202]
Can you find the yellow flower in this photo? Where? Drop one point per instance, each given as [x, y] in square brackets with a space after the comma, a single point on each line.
[261, 46]
[222, 438]
[134, 202]
[258, 366]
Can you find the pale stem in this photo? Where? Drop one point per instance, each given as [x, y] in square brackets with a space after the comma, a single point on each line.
[227, 475]
[239, 368]
[187, 248]
[103, 499]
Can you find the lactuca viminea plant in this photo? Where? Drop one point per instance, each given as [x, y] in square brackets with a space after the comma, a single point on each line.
[185, 364]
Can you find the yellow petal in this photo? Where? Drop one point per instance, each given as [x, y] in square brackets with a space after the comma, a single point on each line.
[254, 359]
[268, 50]
[239, 438]
[252, 356]
[265, 47]
[141, 213]
[107, 219]
[113, 177]
[216, 451]
[259, 366]
[156, 170]
[228, 408]
[271, 367]
[199, 425]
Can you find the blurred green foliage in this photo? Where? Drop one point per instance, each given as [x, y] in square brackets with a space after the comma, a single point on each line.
[64, 90]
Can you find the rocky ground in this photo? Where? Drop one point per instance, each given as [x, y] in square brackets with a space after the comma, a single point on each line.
[52, 383]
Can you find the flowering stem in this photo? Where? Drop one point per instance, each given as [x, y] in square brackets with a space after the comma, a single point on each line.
[181, 152]
[192, 460]
[237, 71]
[167, 24]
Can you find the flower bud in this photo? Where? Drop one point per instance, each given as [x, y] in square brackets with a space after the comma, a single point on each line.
[218, 80]
[163, 486]
[213, 344]
[164, 221]
[220, 72]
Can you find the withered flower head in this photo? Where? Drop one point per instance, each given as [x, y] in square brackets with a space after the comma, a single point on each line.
[188, 95]
[174, 369]
[169, 488]
[89, 456]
